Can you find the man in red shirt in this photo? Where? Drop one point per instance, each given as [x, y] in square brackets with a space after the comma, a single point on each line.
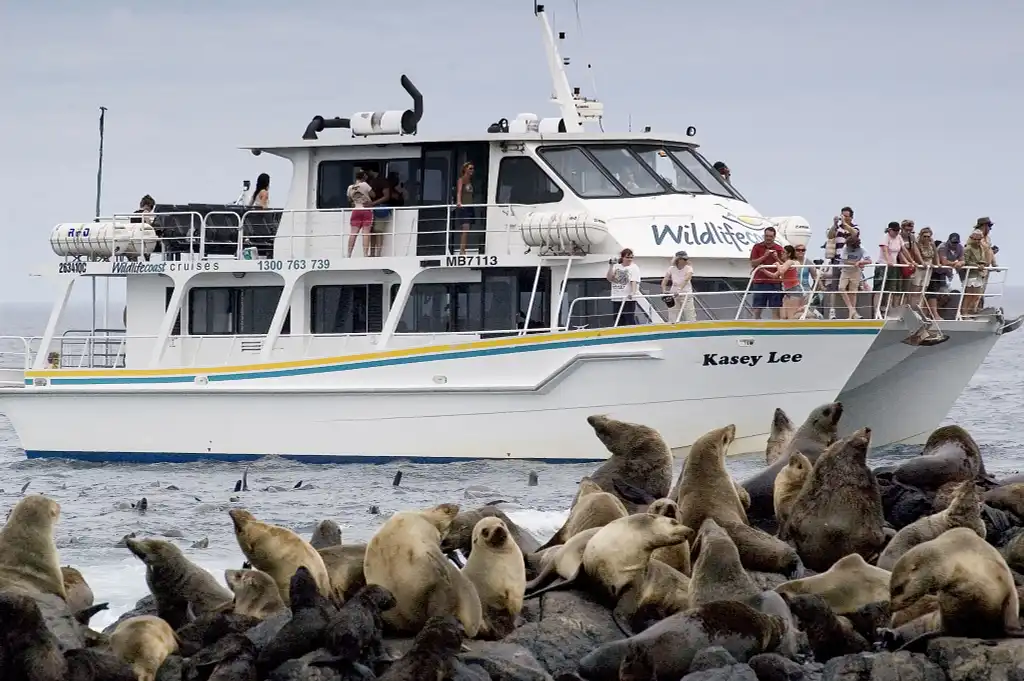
[767, 290]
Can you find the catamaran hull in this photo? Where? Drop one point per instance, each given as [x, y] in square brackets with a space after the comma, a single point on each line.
[681, 379]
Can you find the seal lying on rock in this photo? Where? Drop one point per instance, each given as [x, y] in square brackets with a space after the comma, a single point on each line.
[144, 642]
[950, 455]
[29, 561]
[829, 635]
[846, 587]
[592, 507]
[639, 457]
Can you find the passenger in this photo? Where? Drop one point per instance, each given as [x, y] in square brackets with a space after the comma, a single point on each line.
[850, 280]
[396, 188]
[765, 257]
[932, 278]
[793, 292]
[892, 253]
[985, 225]
[261, 195]
[360, 196]
[623, 272]
[723, 170]
[463, 203]
[976, 262]
[810, 278]
[951, 255]
[678, 287]
[842, 229]
[381, 212]
[146, 206]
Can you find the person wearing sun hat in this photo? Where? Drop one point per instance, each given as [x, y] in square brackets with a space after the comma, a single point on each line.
[677, 285]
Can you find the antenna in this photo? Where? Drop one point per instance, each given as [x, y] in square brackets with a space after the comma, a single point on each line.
[99, 168]
[575, 108]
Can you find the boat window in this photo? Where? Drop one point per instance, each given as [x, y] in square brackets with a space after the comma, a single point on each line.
[522, 181]
[707, 176]
[579, 172]
[334, 177]
[627, 170]
[659, 160]
[591, 314]
[346, 309]
[216, 311]
[176, 329]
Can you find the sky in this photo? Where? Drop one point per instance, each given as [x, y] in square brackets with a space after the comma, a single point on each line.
[898, 108]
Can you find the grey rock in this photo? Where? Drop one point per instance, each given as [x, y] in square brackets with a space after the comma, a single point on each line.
[60, 621]
[171, 669]
[902, 666]
[712, 657]
[261, 634]
[971, 659]
[775, 667]
[144, 606]
[504, 661]
[735, 672]
[467, 672]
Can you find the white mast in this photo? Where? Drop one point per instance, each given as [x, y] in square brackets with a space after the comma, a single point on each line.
[574, 108]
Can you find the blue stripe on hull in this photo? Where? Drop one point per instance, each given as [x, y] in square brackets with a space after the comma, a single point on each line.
[178, 457]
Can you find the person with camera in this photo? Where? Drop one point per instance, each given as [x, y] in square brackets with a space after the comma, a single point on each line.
[765, 257]
[843, 228]
[624, 276]
[678, 287]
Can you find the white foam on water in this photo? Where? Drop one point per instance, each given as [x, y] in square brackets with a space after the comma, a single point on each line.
[541, 524]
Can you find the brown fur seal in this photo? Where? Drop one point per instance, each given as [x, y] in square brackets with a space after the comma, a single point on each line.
[433, 652]
[278, 551]
[718, 573]
[177, 583]
[763, 552]
[460, 534]
[829, 635]
[404, 557]
[847, 586]
[28, 651]
[964, 511]
[256, 593]
[498, 572]
[676, 556]
[658, 592]
[977, 597]
[673, 642]
[949, 455]
[327, 533]
[1007, 498]
[592, 507]
[788, 484]
[704, 489]
[839, 509]
[144, 642]
[811, 439]
[782, 432]
[79, 594]
[345, 569]
[562, 562]
[28, 554]
[639, 457]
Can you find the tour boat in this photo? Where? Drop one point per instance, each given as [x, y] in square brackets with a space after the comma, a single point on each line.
[473, 330]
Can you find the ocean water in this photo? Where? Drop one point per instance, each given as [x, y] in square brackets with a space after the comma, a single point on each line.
[189, 503]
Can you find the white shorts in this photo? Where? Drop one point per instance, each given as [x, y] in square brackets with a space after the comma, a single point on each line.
[918, 278]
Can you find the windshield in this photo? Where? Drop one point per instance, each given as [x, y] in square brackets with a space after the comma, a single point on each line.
[707, 176]
[628, 171]
[659, 160]
[579, 172]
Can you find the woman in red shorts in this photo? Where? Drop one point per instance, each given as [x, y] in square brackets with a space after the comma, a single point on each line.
[361, 197]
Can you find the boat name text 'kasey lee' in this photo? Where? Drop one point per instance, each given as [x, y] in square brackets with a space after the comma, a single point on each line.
[713, 359]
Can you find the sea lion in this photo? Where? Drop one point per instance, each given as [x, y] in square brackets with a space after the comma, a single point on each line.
[177, 583]
[839, 508]
[256, 593]
[1007, 498]
[811, 439]
[657, 592]
[846, 587]
[621, 549]
[592, 507]
[278, 551]
[977, 597]
[460, 533]
[788, 484]
[404, 557]
[345, 568]
[356, 631]
[639, 457]
[950, 455]
[676, 556]
[305, 631]
[144, 642]
[782, 432]
[498, 572]
[562, 563]
[432, 654]
[963, 511]
[830, 635]
[29, 560]
[327, 533]
[761, 551]
[704, 488]
[27, 648]
[673, 642]
[79, 594]
[718, 574]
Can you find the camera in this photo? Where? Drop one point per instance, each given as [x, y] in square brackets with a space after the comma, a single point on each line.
[612, 261]
[819, 261]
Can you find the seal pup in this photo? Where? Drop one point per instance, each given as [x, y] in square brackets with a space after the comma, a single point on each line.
[28, 554]
[327, 533]
[356, 632]
[950, 455]
[177, 583]
[705, 489]
[963, 511]
[256, 593]
[812, 438]
[639, 457]
[144, 642]
[788, 484]
[839, 509]
[622, 548]
[404, 557]
[673, 642]
[592, 507]
[432, 654]
[846, 587]
[307, 628]
[560, 564]
[460, 533]
[345, 569]
[676, 556]
[782, 432]
[278, 551]
[718, 574]
[27, 648]
[829, 635]
[497, 570]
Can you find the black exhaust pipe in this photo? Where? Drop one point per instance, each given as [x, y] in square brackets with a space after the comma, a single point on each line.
[319, 124]
[410, 119]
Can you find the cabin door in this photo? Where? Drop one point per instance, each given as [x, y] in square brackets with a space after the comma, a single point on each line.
[437, 215]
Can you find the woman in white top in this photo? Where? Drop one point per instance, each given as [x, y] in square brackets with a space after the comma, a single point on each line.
[361, 220]
[624, 276]
[261, 195]
[677, 282]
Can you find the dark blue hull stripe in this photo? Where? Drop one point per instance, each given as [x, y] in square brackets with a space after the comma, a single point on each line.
[178, 457]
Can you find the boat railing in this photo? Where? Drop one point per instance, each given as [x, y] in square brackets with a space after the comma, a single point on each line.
[17, 352]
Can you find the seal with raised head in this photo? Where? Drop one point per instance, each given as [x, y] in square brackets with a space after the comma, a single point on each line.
[782, 432]
[676, 556]
[432, 654]
[788, 484]
[356, 632]
[705, 489]
[177, 583]
[950, 455]
[847, 586]
[256, 593]
[811, 439]
[327, 533]
[592, 507]
[498, 572]
[621, 549]
[839, 509]
[144, 642]
[672, 643]
[963, 511]
[28, 554]
[404, 557]
[460, 533]
[345, 569]
[639, 457]
[718, 573]
[27, 648]
[278, 551]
